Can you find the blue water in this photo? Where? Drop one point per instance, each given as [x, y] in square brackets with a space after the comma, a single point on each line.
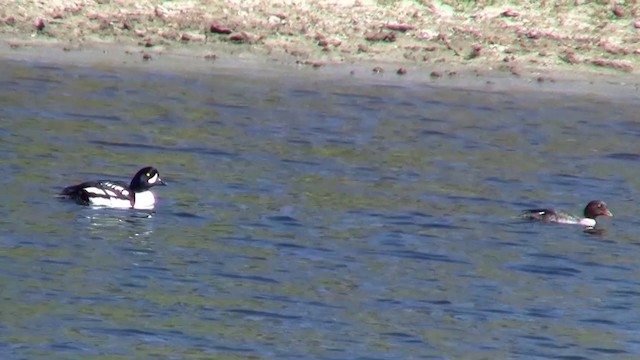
[313, 218]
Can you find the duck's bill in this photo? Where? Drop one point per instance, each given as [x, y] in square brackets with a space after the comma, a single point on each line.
[608, 213]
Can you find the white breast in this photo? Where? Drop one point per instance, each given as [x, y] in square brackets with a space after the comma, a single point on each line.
[144, 200]
[588, 222]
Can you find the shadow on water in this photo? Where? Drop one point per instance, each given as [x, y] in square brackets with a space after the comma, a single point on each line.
[312, 218]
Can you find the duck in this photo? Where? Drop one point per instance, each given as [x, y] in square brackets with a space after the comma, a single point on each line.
[593, 209]
[118, 194]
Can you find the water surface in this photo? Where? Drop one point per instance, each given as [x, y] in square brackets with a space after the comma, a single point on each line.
[308, 218]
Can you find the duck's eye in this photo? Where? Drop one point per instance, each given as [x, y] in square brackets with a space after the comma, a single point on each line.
[148, 174]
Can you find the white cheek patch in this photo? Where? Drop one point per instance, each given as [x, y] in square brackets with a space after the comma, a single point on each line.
[153, 179]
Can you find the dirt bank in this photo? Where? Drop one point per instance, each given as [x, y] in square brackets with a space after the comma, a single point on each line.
[539, 41]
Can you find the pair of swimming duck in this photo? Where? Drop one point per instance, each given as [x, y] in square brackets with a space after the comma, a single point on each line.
[137, 195]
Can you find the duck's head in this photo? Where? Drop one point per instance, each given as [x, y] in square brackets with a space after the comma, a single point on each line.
[596, 208]
[146, 178]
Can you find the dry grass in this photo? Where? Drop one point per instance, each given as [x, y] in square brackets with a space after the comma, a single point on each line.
[481, 34]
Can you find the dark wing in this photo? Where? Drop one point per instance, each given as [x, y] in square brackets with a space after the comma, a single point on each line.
[538, 214]
[101, 188]
[77, 192]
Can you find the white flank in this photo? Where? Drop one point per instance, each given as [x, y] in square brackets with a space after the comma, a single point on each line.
[110, 202]
[153, 179]
[144, 200]
[570, 221]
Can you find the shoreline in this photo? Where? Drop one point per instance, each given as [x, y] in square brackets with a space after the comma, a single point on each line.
[112, 57]
[542, 47]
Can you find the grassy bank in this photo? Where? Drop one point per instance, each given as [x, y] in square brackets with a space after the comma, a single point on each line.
[510, 36]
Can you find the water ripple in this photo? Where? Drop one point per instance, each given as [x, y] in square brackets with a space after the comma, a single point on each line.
[261, 279]
[313, 218]
[417, 255]
[258, 315]
[546, 270]
[193, 150]
[623, 156]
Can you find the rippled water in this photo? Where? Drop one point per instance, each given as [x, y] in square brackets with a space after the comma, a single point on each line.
[308, 218]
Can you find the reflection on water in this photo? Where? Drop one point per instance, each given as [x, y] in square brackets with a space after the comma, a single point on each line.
[312, 218]
[138, 225]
